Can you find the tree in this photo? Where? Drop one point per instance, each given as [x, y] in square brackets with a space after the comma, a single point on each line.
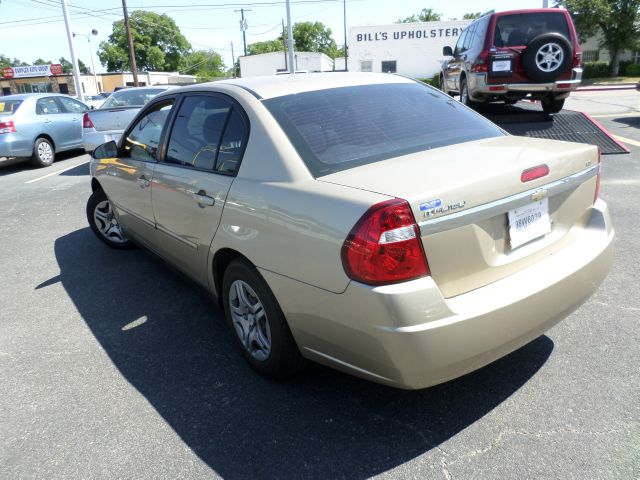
[157, 40]
[426, 15]
[204, 64]
[313, 37]
[616, 21]
[471, 16]
[67, 66]
[11, 62]
[267, 46]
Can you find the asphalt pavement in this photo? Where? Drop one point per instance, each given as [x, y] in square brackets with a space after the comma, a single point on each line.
[114, 366]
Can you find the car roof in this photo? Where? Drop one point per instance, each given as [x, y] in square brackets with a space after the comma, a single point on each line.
[279, 85]
[24, 96]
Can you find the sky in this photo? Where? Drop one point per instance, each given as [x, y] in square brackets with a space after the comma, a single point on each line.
[32, 29]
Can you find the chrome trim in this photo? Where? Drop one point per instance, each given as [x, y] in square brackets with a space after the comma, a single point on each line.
[481, 86]
[488, 210]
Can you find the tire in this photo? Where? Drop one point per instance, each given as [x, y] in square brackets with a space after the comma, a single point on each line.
[551, 105]
[103, 223]
[442, 87]
[257, 322]
[464, 94]
[547, 57]
[43, 153]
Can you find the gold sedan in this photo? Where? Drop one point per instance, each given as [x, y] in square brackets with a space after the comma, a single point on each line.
[364, 221]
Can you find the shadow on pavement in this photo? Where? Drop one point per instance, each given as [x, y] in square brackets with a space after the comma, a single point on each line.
[169, 340]
[13, 165]
[80, 170]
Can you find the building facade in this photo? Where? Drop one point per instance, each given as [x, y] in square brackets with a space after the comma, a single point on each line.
[276, 62]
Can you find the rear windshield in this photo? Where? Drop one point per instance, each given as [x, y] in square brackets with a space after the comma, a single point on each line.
[130, 98]
[9, 106]
[519, 29]
[342, 128]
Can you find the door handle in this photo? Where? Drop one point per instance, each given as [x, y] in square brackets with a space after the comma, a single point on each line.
[143, 181]
[46, 121]
[203, 199]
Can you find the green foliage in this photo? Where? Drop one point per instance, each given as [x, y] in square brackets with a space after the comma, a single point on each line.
[433, 81]
[11, 62]
[314, 37]
[158, 44]
[425, 15]
[204, 64]
[40, 61]
[67, 66]
[267, 46]
[632, 70]
[616, 21]
[471, 16]
[595, 70]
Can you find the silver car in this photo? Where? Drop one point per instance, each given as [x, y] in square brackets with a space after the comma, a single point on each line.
[108, 122]
[37, 125]
[364, 221]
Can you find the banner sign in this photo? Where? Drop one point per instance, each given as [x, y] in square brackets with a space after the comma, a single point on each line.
[32, 71]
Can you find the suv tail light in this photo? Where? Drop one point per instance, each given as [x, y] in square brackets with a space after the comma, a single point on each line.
[7, 127]
[597, 192]
[482, 63]
[577, 59]
[384, 246]
[86, 121]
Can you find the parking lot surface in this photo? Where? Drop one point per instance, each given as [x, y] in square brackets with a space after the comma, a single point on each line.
[112, 365]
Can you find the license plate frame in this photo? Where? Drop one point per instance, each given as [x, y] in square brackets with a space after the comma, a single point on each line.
[528, 222]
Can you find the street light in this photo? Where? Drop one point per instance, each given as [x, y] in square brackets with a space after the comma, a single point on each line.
[93, 68]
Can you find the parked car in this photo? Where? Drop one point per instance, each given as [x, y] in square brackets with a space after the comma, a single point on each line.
[94, 101]
[107, 122]
[37, 125]
[363, 221]
[508, 56]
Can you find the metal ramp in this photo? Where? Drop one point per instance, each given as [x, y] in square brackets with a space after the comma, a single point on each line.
[527, 119]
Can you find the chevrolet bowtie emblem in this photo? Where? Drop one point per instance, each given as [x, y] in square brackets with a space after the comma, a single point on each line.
[539, 195]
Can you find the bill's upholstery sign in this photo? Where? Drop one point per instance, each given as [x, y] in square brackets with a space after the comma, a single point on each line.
[32, 71]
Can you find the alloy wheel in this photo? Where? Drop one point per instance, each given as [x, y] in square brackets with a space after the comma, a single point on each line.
[107, 223]
[549, 57]
[250, 320]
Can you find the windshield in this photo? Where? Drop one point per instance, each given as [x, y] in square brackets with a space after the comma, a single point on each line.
[9, 106]
[342, 128]
[130, 98]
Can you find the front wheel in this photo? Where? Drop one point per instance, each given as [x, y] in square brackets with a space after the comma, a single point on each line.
[43, 153]
[260, 327]
[103, 221]
[552, 105]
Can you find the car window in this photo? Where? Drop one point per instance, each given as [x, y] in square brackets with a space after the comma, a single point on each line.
[196, 133]
[519, 29]
[460, 42]
[9, 106]
[340, 128]
[142, 141]
[72, 106]
[47, 105]
[468, 40]
[233, 143]
[131, 97]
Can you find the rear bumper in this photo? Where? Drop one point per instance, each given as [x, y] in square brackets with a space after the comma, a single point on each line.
[479, 87]
[409, 336]
[93, 139]
[15, 145]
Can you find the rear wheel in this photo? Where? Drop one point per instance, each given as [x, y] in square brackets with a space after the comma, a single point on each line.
[464, 94]
[43, 153]
[104, 223]
[258, 323]
[552, 105]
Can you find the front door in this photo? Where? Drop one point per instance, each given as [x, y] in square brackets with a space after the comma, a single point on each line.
[190, 185]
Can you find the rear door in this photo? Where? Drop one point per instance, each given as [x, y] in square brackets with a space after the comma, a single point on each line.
[51, 114]
[73, 111]
[190, 186]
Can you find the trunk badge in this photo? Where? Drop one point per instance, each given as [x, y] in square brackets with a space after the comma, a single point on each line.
[539, 195]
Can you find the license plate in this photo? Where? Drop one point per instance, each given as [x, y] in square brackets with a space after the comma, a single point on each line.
[529, 222]
[501, 66]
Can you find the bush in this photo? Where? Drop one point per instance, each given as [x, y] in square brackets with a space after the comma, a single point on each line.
[595, 70]
[632, 70]
[622, 68]
[433, 81]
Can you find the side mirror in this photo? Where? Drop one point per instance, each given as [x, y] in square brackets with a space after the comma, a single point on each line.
[447, 52]
[106, 150]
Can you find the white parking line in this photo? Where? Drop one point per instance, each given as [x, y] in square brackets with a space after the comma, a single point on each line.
[55, 173]
[626, 140]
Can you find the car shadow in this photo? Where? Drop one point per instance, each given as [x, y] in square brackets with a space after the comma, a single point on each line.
[79, 171]
[168, 339]
[628, 121]
[9, 166]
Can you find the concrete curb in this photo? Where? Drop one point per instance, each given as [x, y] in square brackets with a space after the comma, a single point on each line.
[605, 87]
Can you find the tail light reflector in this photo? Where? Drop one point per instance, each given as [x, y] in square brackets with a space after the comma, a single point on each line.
[86, 121]
[7, 127]
[384, 246]
[534, 173]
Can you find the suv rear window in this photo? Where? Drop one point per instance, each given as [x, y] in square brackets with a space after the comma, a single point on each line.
[345, 127]
[9, 106]
[519, 29]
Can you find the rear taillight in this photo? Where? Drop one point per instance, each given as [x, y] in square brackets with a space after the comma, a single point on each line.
[577, 59]
[481, 64]
[384, 246]
[7, 127]
[86, 121]
[597, 193]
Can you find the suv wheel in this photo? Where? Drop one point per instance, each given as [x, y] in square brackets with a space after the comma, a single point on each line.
[547, 56]
[551, 105]
[464, 94]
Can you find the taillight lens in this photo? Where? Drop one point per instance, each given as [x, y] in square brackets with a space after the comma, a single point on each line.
[86, 121]
[481, 64]
[577, 59]
[7, 127]
[384, 246]
[597, 193]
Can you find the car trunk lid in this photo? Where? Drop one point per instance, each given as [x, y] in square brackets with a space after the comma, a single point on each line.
[112, 118]
[461, 197]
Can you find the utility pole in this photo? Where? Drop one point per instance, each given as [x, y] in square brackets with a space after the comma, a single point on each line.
[292, 68]
[74, 60]
[132, 53]
[233, 61]
[243, 27]
[284, 44]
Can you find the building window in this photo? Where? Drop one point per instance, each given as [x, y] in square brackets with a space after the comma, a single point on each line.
[366, 66]
[636, 56]
[389, 66]
[6, 91]
[39, 87]
[590, 55]
[83, 91]
[64, 88]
